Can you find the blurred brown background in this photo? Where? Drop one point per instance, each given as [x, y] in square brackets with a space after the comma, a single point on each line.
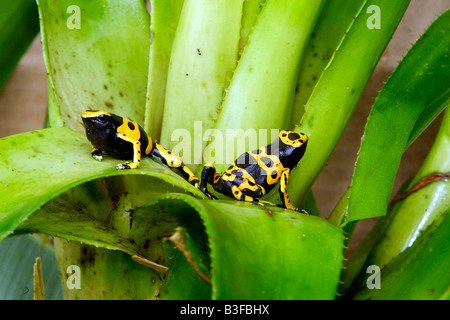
[23, 105]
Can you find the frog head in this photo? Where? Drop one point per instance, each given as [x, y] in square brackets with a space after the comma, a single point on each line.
[292, 146]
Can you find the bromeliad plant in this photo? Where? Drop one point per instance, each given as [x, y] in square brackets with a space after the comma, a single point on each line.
[203, 68]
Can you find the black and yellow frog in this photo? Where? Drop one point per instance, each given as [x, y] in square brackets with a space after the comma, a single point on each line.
[125, 139]
[255, 173]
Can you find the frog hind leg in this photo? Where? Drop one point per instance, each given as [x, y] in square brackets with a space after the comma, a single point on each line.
[173, 161]
[97, 153]
[136, 155]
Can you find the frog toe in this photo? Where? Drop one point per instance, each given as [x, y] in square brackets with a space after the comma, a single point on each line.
[126, 166]
[122, 166]
[97, 157]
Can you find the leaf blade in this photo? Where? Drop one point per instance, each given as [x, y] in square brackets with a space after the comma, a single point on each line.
[96, 57]
[39, 157]
[420, 77]
[338, 90]
[272, 251]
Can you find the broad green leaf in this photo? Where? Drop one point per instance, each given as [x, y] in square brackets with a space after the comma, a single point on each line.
[61, 219]
[96, 57]
[19, 25]
[203, 56]
[336, 18]
[181, 281]
[164, 23]
[264, 253]
[149, 226]
[28, 160]
[250, 13]
[197, 256]
[410, 216]
[103, 274]
[338, 90]
[285, 257]
[261, 91]
[421, 271]
[421, 77]
[407, 218]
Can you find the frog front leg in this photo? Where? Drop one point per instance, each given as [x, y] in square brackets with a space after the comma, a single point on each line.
[241, 196]
[210, 176]
[173, 161]
[283, 192]
[136, 154]
[97, 153]
[242, 190]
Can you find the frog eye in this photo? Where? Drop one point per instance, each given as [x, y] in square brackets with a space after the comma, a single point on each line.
[101, 118]
[293, 136]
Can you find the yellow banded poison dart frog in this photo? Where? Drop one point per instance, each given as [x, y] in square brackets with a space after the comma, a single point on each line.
[255, 173]
[125, 139]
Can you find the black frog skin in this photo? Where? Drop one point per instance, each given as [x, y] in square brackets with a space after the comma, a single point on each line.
[255, 173]
[124, 139]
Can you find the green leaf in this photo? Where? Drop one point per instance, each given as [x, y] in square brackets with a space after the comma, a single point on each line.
[196, 256]
[96, 57]
[263, 253]
[421, 271]
[60, 219]
[334, 21]
[338, 90]
[421, 77]
[19, 25]
[182, 283]
[203, 56]
[250, 13]
[409, 217]
[104, 274]
[63, 155]
[164, 23]
[260, 94]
